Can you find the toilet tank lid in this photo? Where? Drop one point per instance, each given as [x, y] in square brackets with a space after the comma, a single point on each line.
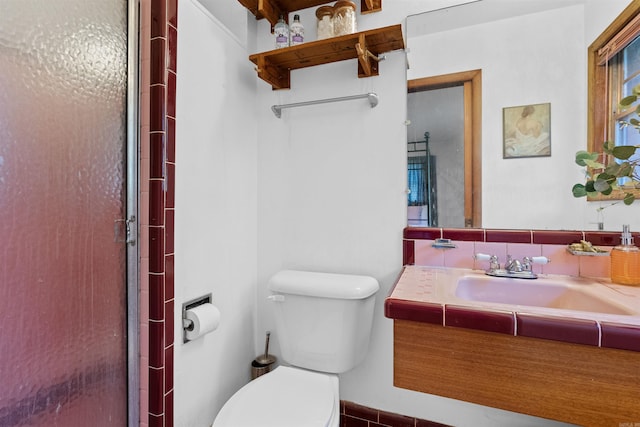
[325, 285]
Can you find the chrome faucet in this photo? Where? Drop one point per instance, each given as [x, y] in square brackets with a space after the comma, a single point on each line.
[512, 267]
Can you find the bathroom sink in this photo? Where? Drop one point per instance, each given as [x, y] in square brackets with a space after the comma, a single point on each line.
[562, 293]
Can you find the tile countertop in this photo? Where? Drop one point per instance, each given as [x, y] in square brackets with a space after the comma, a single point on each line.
[427, 294]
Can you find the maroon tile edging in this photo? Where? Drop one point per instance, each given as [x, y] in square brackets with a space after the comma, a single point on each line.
[622, 337]
[412, 310]
[162, 89]
[482, 320]
[576, 331]
[355, 415]
[556, 237]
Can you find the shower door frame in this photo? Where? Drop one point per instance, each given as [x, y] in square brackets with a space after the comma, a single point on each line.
[132, 219]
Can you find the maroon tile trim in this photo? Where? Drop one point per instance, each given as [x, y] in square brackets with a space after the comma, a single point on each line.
[156, 396]
[170, 199]
[171, 94]
[395, 420]
[622, 337]
[408, 252]
[544, 237]
[412, 310]
[169, 225]
[168, 367]
[483, 320]
[354, 415]
[162, 89]
[508, 236]
[555, 237]
[172, 13]
[156, 297]
[464, 234]
[168, 409]
[156, 420]
[172, 40]
[157, 109]
[425, 423]
[156, 345]
[156, 202]
[604, 238]
[157, 61]
[157, 155]
[421, 233]
[575, 331]
[359, 411]
[158, 19]
[168, 324]
[169, 275]
[156, 249]
[171, 140]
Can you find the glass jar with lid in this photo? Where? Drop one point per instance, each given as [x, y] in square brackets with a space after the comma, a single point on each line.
[325, 22]
[344, 18]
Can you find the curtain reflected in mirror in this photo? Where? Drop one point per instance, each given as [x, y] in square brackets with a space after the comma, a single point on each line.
[422, 197]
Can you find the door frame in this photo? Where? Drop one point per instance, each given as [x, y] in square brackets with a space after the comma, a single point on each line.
[132, 219]
[472, 94]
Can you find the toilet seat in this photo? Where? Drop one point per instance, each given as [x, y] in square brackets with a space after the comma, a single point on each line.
[285, 397]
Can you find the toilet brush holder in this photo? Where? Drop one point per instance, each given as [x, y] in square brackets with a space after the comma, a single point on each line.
[258, 369]
[263, 363]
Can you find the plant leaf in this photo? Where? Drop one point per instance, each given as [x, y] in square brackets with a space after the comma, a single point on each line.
[628, 100]
[579, 190]
[623, 152]
[594, 165]
[601, 185]
[628, 199]
[583, 156]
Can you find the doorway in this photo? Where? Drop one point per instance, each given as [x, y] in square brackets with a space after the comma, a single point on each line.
[68, 209]
[467, 86]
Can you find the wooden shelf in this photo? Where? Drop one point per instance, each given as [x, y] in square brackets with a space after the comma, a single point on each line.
[274, 66]
[272, 9]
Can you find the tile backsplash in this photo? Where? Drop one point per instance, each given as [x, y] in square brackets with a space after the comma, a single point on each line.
[418, 249]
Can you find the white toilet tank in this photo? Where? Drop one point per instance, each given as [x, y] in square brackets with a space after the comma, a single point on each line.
[323, 320]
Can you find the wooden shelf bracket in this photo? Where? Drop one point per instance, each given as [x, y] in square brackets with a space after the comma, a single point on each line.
[367, 61]
[277, 77]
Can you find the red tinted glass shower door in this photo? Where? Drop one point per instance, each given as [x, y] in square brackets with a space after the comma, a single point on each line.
[63, 305]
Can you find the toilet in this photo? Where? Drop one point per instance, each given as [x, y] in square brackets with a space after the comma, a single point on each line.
[323, 324]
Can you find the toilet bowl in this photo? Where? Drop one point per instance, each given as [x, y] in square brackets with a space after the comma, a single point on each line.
[285, 397]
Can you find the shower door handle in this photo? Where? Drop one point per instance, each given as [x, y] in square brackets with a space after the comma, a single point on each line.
[124, 230]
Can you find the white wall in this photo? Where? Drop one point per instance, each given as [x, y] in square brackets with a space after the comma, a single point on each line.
[216, 205]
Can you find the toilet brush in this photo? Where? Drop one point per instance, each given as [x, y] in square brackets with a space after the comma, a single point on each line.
[263, 363]
[265, 359]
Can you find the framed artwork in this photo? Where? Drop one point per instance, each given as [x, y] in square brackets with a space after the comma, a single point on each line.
[526, 131]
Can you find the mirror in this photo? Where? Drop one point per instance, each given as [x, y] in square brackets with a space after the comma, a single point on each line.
[529, 52]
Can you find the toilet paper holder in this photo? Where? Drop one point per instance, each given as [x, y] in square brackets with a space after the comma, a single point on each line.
[187, 324]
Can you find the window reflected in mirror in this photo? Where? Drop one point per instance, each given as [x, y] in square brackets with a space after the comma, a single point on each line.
[614, 69]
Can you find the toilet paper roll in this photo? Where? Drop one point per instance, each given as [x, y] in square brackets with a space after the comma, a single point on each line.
[205, 318]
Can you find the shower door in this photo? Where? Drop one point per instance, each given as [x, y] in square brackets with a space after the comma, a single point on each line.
[63, 205]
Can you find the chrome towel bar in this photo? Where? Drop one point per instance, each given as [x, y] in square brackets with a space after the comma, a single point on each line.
[372, 97]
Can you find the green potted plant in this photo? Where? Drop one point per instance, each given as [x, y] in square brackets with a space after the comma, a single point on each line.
[603, 178]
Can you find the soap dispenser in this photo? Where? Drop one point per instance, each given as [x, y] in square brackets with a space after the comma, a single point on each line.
[625, 260]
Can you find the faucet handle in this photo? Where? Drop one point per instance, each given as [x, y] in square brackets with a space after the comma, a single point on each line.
[527, 261]
[493, 260]
[540, 260]
[482, 257]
